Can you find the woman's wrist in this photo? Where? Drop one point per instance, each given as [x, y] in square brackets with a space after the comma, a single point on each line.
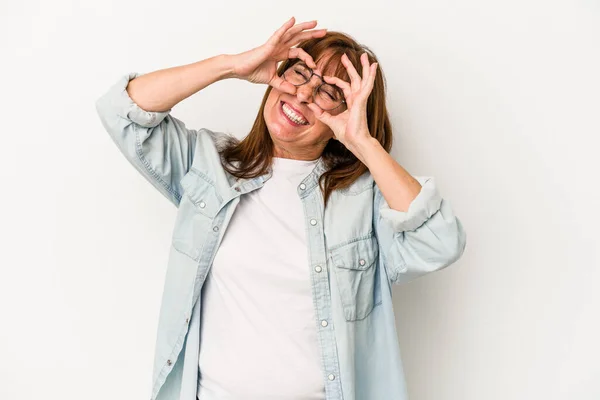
[227, 66]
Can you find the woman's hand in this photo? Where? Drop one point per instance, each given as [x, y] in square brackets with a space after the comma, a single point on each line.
[259, 65]
[350, 127]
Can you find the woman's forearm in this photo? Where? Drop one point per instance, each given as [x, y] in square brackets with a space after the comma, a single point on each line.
[161, 90]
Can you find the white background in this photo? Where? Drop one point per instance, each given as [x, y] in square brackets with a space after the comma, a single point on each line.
[499, 101]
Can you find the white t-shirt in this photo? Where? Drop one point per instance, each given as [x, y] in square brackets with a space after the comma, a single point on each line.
[258, 335]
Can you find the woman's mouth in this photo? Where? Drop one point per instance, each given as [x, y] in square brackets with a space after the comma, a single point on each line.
[292, 115]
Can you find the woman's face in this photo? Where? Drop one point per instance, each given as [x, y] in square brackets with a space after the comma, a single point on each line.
[294, 129]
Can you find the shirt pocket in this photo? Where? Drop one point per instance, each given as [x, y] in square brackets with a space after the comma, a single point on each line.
[355, 266]
[199, 205]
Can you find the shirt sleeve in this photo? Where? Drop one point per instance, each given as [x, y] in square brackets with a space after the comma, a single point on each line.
[158, 145]
[425, 238]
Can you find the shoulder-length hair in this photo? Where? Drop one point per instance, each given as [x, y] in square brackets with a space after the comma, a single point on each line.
[253, 154]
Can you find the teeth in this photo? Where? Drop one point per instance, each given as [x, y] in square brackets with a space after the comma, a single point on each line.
[287, 110]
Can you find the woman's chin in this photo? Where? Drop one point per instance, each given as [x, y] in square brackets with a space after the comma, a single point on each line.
[283, 132]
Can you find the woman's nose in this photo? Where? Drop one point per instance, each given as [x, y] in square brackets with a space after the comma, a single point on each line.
[304, 93]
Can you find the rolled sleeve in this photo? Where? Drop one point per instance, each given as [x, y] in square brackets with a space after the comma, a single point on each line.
[425, 238]
[427, 203]
[157, 144]
[125, 107]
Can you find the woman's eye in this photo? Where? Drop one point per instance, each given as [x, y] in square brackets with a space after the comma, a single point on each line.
[331, 95]
[301, 74]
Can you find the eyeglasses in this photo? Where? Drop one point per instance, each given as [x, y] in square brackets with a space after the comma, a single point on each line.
[327, 97]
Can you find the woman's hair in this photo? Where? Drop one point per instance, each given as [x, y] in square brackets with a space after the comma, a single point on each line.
[254, 153]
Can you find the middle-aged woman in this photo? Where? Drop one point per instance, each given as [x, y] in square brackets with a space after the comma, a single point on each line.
[286, 243]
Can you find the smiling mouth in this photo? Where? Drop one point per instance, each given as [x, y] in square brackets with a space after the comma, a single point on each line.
[294, 117]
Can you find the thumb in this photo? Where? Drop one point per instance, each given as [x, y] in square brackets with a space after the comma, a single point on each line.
[321, 115]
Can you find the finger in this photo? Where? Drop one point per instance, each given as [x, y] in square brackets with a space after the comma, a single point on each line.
[366, 68]
[296, 52]
[337, 81]
[372, 77]
[297, 29]
[366, 90]
[345, 86]
[294, 40]
[321, 115]
[276, 37]
[278, 83]
[354, 77]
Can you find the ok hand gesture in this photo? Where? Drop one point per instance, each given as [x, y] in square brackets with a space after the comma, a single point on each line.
[259, 65]
[350, 126]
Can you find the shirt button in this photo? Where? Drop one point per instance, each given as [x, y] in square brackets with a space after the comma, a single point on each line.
[202, 204]
[323, 323]
[362, 262]
[302, 186]
[168, 362]
[313, 222]
[331, 377]
[215, 228]
[237, 189]
[187, 320]
[318, 268]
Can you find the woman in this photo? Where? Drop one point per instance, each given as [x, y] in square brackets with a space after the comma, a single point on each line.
[294, 302]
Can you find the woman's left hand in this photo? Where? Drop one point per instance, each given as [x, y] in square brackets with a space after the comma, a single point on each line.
[350, 127]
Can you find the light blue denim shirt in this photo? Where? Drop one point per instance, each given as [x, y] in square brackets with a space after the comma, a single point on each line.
[357, 248]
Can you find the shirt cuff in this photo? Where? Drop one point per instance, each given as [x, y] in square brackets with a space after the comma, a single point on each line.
[427, 203]
[130, 110]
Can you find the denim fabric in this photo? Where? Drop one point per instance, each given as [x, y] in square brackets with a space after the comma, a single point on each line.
[358, 247]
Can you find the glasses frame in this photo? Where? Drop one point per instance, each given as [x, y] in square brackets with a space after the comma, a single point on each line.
[312, 73]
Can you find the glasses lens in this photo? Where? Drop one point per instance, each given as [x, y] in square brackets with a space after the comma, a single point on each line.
[329, 96]
[297, 74]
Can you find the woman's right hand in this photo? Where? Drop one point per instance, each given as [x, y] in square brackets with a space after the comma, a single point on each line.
[259, 65]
